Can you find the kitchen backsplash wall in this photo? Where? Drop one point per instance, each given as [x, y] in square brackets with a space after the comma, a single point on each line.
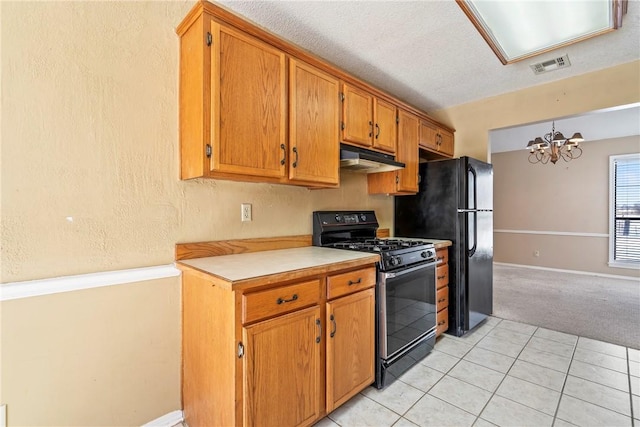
[90, 142]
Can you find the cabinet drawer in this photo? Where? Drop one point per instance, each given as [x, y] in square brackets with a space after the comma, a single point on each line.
[442, 256]
[353, 281]
[442, 276]
[272, 302]
[442, 298]
[442, 321]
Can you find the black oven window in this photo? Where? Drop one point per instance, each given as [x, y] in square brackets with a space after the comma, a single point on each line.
[411, 309]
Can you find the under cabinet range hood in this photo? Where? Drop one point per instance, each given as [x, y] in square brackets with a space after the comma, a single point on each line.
[357, 159]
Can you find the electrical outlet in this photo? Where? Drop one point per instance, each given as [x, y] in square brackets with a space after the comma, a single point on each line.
[536, 253]
[245, 212]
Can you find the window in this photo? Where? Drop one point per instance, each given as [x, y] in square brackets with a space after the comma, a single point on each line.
[624, 205]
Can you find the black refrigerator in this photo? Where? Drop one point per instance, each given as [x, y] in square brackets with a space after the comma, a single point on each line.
[455, 202]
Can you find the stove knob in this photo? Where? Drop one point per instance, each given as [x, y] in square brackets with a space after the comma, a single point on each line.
[338, 218]
[395, 260]
[424, 254]
[363, 217]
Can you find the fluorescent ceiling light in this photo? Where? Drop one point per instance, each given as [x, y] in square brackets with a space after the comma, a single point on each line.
[516, 30]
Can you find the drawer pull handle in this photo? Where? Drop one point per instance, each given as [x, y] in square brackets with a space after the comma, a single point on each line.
[442, 300]
[335, 326]
[357, 282]
[441, 277]
[293, 298]
[442, 322]
[440, 258]
[319, 330]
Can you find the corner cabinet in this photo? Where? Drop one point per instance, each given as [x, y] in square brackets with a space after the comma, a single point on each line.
[234, 110]
[436, 139]
[276, 353]
[403, 181]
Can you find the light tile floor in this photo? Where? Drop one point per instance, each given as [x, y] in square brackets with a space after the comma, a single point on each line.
[507, 373]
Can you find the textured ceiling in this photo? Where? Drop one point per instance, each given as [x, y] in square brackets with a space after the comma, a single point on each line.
[426, 53]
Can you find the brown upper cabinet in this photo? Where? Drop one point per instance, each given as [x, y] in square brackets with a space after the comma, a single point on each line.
[254, 107]
[313, 125]
[402, 181]
[368, 121]
[234, 111]
[435, 138]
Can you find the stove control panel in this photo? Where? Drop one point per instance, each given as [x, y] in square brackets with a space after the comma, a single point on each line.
[347, 218]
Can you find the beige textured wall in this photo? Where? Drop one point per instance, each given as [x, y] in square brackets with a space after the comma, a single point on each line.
[566, 197]
[606, 88]
[106, 356]
[89, 115]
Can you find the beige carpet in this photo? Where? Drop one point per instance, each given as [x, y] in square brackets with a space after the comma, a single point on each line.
[595, 307]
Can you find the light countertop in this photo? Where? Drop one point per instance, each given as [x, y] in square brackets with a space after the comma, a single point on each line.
[240, 267]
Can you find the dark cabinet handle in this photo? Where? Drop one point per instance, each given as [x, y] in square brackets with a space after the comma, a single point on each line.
[335, 326]
[377, 131]
[295, 151]
[357, 282]
[293, 298]
[440, 258]
[284, 154]
[442, 277]
[319, 337]
[442, 300]
[442, 322]
[370, 129]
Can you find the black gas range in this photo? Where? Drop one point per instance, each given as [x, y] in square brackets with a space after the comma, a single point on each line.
[357, 231]
[405, 287]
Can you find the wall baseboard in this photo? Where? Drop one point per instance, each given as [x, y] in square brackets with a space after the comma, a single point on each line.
[167, 420]
[559, 270]
[33, 288]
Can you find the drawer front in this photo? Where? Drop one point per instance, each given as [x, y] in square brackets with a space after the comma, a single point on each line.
[442, 276]
[442, 256]
[353, 281]
[442, 321]
[442, 298]
[272, 302]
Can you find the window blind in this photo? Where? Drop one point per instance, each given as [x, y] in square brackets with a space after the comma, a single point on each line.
[626, 209]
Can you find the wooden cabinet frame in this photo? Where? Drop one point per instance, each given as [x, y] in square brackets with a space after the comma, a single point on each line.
[198, 108]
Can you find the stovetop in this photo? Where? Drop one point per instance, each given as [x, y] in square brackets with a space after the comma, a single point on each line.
[356, 230]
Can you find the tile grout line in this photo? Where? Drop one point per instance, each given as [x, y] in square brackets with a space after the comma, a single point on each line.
[564, 382]
[633, 423]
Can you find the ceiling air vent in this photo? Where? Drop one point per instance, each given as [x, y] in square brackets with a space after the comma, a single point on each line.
[550, 65]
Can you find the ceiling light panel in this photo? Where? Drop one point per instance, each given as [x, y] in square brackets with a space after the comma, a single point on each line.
[520, 29]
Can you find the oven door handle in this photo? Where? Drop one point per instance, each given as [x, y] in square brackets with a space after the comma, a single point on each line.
[408, 270]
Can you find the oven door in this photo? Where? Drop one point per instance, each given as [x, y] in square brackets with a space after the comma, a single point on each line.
[406, 308]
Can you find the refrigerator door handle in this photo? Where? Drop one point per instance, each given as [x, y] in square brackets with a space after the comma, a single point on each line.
[471, 248]
[472, 181]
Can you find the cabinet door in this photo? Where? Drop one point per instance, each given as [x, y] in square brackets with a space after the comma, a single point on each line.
[314, 148]
[385, 128]
[408, 128]
[248, 105]
[357, 116]
[350, 346]
[282, 370]
[428, 135]
[446, 142]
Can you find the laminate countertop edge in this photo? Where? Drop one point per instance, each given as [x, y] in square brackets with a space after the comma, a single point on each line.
[240, 271]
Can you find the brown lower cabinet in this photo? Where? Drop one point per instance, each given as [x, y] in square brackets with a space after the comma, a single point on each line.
[282, 354]
[442, 290]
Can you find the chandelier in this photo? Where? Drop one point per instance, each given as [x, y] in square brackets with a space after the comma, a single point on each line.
[554, 146]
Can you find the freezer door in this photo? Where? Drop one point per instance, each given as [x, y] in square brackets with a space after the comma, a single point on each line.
[478, 184]
[478, 272]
